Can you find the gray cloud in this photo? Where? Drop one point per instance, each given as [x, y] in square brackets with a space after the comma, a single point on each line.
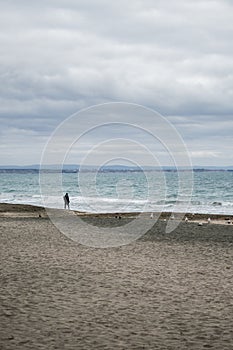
[173, 56]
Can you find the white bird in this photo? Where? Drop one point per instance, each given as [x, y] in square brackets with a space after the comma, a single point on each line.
[151, 215]
[186, 219]
[200, 224]
[209, 219]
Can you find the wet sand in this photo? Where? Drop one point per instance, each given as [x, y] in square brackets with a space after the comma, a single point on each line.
[164, 291]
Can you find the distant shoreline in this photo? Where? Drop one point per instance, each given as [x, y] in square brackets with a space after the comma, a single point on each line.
[118, 169]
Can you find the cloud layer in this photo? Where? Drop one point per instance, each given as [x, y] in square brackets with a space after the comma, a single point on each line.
[60, 56]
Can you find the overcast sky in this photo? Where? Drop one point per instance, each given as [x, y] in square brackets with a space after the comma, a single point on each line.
[59, 56]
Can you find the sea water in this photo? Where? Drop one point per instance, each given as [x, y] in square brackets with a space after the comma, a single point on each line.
[126, 191]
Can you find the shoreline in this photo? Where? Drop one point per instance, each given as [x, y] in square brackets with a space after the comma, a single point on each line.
[27, 210]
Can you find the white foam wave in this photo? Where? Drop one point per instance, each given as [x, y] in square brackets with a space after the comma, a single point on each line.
[105, 204]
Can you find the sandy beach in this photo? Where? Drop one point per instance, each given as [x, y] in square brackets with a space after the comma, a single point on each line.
[164, 291]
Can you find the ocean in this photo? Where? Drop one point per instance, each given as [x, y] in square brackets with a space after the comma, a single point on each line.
[125, 191]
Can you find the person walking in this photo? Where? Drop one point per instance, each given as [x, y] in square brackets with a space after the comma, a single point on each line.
[66, 201]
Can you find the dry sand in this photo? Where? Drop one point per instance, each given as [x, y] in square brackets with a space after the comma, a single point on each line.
[165, 291]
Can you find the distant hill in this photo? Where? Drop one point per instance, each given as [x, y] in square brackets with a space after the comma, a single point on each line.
[108, 168]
